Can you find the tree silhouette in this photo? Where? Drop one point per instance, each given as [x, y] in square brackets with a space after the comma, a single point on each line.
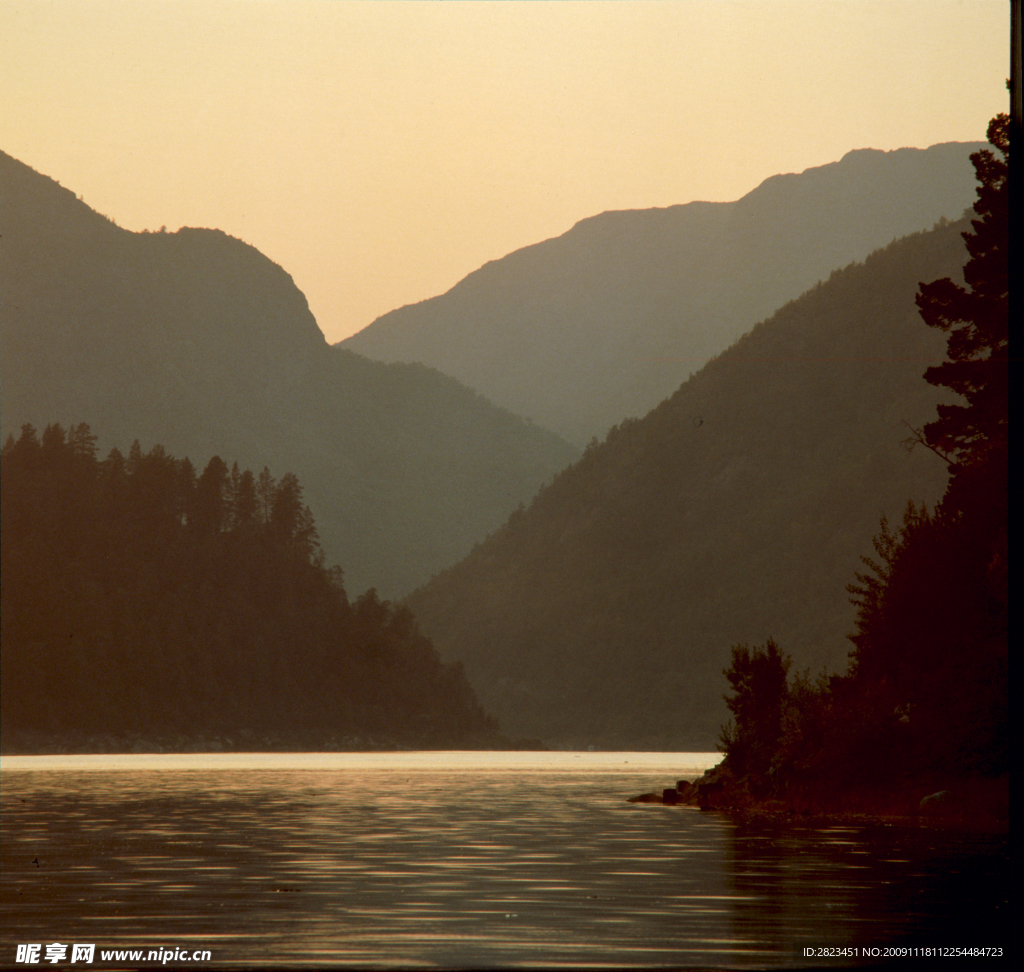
[976, 320]
[759, 691]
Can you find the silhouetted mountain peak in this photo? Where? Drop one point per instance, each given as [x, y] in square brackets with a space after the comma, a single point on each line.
[600, 323]
[197, 340]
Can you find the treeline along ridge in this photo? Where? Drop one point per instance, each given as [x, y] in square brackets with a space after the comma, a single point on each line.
[142, 600]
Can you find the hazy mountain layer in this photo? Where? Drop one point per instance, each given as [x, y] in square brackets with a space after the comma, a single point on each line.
[737, 510]
[605, 321]
[197, 341]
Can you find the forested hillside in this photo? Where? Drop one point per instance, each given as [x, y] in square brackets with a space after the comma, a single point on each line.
[146, 604]
[197, 341]
[603, 614]
[608, 319]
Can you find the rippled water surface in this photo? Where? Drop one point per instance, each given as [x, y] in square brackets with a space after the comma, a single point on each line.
[460, 860]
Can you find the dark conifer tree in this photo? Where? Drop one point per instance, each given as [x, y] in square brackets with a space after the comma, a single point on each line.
[976, 320]
[759, 692]
[212, 500]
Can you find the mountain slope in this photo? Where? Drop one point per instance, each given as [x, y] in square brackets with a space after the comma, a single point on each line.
[735, 511]
[606, 320]
[197, 341]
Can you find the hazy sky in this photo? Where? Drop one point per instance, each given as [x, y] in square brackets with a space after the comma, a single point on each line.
[381, 150]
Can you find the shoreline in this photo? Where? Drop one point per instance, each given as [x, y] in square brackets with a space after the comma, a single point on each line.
[974, 803]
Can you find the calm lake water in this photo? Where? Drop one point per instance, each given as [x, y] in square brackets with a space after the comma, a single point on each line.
[460, 860]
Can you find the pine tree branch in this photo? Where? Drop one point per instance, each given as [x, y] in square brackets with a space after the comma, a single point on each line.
[919, 439]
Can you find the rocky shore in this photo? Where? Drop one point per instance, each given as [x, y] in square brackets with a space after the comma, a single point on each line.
[975, 802]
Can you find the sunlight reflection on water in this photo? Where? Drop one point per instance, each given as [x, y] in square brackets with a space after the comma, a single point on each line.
[459, 860]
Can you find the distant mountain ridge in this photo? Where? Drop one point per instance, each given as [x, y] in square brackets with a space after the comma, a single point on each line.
[605, 321]
[737, 510]
[199, 342]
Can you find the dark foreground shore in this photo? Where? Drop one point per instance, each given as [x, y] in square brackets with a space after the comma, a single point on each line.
[974, 803]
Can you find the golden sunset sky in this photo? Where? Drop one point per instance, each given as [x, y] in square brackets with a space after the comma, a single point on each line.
[380, 150]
